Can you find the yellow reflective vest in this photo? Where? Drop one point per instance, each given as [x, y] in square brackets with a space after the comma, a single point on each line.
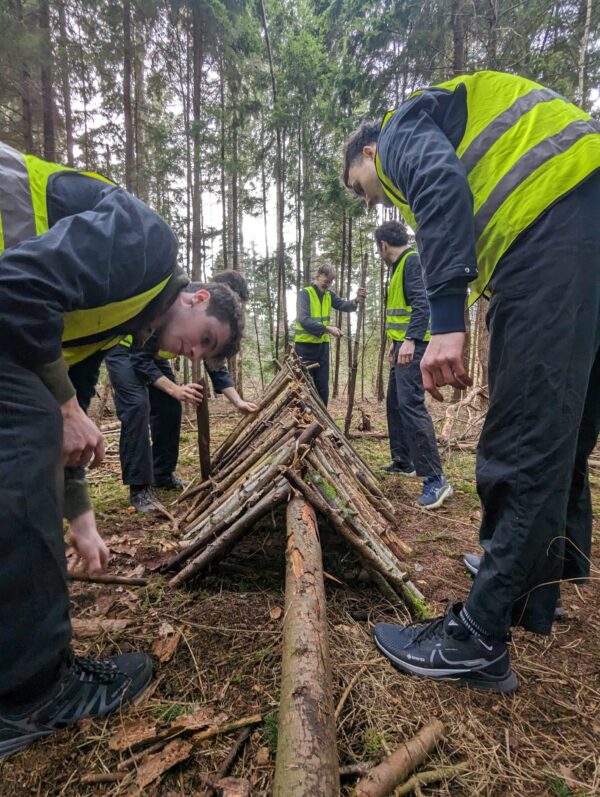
[397, 310]
[23, 215]
[320, 310]
[524, 147]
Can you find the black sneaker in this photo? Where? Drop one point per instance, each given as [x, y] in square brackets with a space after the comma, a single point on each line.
[142, 499]
[85, 688]
[444, 649]
[170, 482]
[473, 562]
[401, 470]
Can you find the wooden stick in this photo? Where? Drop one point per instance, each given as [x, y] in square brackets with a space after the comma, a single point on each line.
[203, 431]
[430, 776]
[107, 579]
[347, 690]
[354, 368]
[383, 779]
[225, 767]
[220, 546]
[307, 762]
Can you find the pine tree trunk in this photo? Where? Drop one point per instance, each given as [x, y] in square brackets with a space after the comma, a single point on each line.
[127, 106]
[197, 60]
[348, 289]
[65, 83]
[338, 341]
[47, 81]
[355, 352]
[139, 127]
[25, 91]
[383, 289]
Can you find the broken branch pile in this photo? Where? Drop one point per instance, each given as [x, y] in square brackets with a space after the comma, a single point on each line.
[290, 446]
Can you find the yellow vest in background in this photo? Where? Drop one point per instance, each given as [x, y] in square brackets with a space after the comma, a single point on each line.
[320, 310]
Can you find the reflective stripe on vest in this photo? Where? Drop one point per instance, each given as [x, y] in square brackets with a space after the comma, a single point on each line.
[398, 312]
[24, 214]
[524, 147]
[127, 342]
[320, 310]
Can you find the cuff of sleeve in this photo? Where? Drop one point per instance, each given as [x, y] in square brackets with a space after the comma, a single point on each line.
[56, 378]
[77, 499]
[447, 313]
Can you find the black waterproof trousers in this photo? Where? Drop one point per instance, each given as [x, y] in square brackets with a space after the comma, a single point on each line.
[412, 436]
[543, 419]
[35, 631]
[140, 408]
[317, 353]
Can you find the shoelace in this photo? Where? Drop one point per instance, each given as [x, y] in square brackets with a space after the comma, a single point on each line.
[429, 630]
[105, 670]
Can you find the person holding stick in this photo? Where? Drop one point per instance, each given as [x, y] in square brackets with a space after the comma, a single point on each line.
[82, 264]
[313, 324]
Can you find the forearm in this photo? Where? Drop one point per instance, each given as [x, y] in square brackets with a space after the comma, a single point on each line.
[77, 499]
[167, 386]
[232, 396]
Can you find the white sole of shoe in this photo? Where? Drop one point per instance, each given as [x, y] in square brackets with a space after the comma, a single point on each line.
[444, 495]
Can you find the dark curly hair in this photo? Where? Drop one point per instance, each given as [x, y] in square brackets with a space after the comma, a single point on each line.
[235, 281]
[367, 133]
[225, 305]
[392, 232]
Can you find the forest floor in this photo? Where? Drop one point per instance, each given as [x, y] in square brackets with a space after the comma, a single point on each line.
[224, 635]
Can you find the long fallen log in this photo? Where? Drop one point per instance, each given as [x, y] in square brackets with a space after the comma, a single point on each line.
[307, 761]
[393, 770]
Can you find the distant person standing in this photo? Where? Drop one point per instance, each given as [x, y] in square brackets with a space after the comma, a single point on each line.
[313, 324]
[412, 436]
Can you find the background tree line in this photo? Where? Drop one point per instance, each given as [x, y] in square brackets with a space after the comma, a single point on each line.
[244, 105]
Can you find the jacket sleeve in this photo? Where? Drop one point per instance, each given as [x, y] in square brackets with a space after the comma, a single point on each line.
[421, 161]
[303, 316]
[220, 378]
[414, 290]
[116, 250]
[143, 362]
[345, 305]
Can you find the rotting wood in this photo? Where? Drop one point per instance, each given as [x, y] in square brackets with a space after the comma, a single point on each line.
[307, 761]
[394, 769]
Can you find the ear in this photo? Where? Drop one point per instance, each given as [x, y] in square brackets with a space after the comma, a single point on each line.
[369, 151]
[199, 297]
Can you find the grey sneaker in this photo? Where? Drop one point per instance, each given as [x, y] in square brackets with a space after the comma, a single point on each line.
[85, 688]
[142, 499]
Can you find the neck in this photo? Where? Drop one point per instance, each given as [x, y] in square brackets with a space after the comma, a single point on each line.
[395, 252]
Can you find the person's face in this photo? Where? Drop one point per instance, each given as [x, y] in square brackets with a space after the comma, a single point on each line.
[384, 251]
[363, 179]
[190, 331]
[324, 281]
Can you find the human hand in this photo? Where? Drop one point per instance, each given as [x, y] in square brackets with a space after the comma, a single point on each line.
[406, 352]
[88, 545]
[83, 444]
[361, 294]
[246, 407]
[442, 364]
[334, 331]
[192, 392]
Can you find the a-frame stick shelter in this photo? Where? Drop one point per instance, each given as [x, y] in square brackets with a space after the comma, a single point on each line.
[291, 446]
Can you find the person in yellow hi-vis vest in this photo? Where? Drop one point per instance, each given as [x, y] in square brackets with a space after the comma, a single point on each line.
[500, 179]
[82, 264]
[313, 325]
[412, 436]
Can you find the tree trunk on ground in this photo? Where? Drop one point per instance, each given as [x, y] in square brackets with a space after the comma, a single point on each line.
[307, 762]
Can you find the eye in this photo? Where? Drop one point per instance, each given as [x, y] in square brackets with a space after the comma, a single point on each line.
[358, 189]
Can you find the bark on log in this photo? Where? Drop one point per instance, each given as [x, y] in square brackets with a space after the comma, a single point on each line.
[393, 770]
[307, 761]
